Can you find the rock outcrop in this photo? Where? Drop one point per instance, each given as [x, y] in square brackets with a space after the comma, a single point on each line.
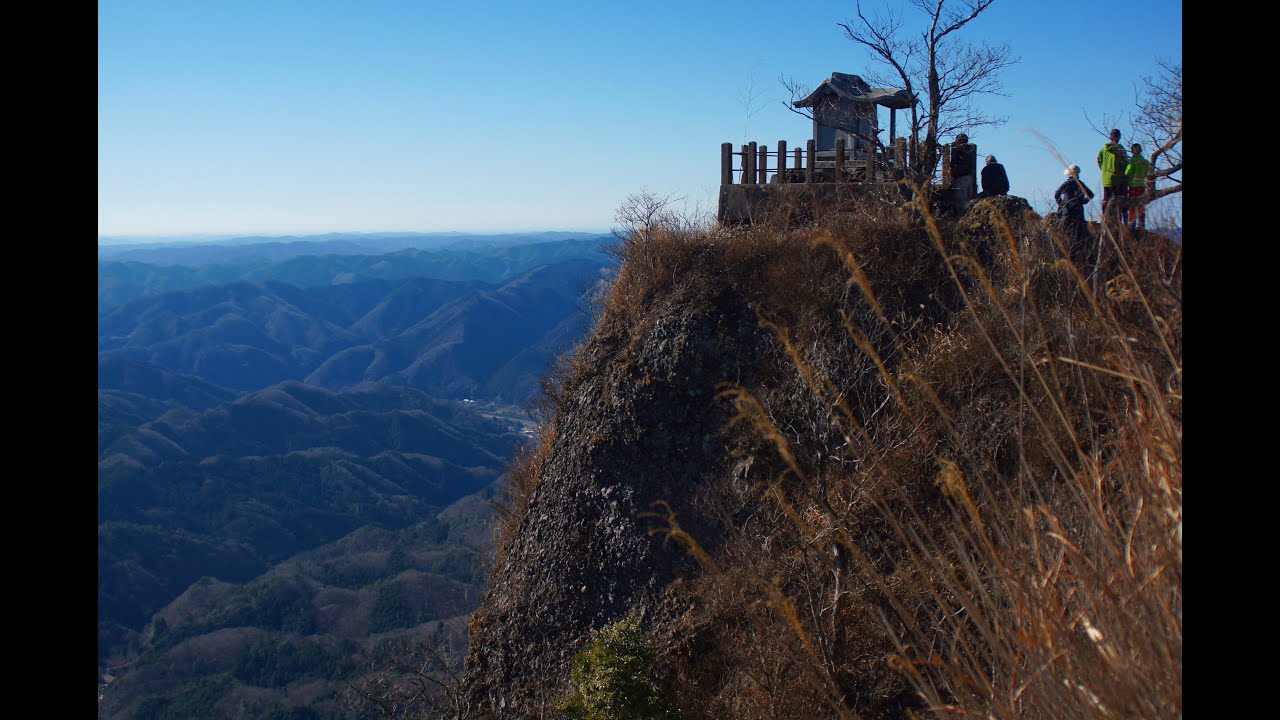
[864, 429]
[643, 425]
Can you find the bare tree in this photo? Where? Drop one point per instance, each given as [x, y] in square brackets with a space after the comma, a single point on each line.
[643, 214]
[934, 65]
[752, 103]
[1159, 123]
[408, 679]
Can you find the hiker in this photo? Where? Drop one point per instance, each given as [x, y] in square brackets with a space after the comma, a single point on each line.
[994, 179]
[1072, 195]
[1136, 172]
[964, 165]
[1112, 160]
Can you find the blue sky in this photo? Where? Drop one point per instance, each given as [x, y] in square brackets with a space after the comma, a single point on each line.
[291, 116]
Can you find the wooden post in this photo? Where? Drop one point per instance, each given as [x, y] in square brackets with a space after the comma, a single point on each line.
[893, 123]
[899, 158]
[726, 164]
[763, 166]
[782, 161]
[870, 175]
[749, 164]
[808, 171]
[839, 159]
[799, 163]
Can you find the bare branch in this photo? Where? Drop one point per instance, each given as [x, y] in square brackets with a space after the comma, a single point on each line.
[408, 678]
[1159, 124]
[752, 103]
[933, 62]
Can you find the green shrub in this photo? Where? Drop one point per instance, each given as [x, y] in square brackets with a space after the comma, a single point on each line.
[612, 676]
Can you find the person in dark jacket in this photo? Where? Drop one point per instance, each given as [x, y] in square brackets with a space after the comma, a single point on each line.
[994, 179]
[1072, 195]
[964, 167]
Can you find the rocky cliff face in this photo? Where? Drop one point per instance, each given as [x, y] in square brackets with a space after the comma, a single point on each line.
[876, 430]
[643, 418]
[639, 423]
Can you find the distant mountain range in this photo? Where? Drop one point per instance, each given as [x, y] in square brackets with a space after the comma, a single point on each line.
[295, 450]
[124, 276]
[451, 338]
[126, 272]
[189, 249]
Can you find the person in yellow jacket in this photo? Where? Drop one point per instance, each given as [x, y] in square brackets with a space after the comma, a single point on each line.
[1112, 160]
[1136, 172]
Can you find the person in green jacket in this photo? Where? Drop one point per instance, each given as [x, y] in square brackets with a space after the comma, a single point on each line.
[1136, 172]
[1112, 160]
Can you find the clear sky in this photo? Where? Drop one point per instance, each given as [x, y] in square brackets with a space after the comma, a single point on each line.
[302, 116]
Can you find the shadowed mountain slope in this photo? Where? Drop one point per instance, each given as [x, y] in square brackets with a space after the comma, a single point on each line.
[313, 621]
[131, 393]
[233, 489]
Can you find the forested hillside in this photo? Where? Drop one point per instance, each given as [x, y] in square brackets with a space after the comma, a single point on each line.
[294, 456]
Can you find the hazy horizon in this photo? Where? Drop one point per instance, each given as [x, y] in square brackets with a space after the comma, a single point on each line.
[160, 238]
[286, 118]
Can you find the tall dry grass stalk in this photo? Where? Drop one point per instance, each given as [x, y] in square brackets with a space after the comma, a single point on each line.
[1062, 595]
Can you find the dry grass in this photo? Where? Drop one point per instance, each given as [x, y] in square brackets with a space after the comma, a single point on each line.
[958, 486]
[1055, 589]
[969, 488]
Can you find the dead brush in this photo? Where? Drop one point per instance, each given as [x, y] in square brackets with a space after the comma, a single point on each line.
[960, 476]
[1061, 596]
[1006, 494]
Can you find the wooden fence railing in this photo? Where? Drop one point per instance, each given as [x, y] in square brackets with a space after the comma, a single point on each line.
[810, 165]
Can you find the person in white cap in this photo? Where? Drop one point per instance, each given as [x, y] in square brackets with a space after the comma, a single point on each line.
[1072, 195]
